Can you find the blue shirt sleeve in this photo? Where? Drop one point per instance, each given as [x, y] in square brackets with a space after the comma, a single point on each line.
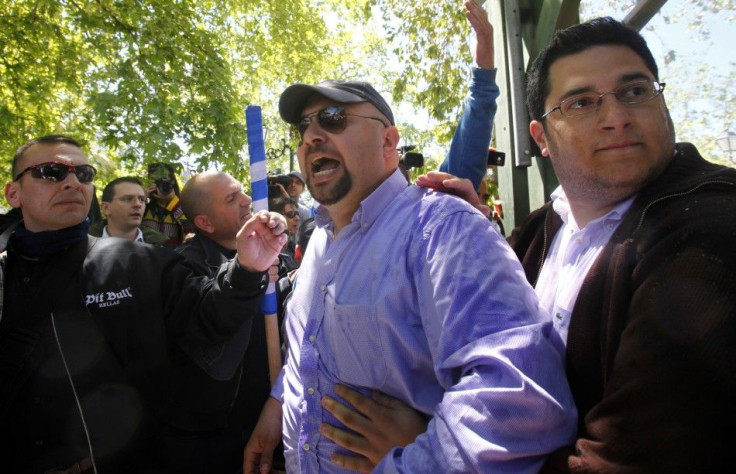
[506, 402]
[468, 154]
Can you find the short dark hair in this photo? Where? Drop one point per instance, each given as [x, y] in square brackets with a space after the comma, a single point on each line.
[44, 140]
[108, 194]
[575, 39]
[279, 204]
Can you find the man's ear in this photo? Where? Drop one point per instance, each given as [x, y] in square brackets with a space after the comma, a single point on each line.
[536, 128]
[390, 141]
[203, 223]
[105, 208]
[12, 194]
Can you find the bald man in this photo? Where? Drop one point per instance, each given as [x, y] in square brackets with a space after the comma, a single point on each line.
[218, 416]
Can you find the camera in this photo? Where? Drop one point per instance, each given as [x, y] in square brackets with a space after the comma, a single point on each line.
[162, 174]
[410, 159]
[164, 186]
[495, 157]
[273, 180]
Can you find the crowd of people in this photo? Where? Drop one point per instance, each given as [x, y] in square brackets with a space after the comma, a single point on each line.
[599, 337]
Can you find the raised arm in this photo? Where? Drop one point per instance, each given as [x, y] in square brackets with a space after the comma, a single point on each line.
[468, 154]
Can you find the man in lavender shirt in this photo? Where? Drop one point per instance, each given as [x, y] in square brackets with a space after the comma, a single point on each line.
[398, 292]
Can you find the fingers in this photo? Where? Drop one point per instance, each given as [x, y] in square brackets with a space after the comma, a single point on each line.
[447, 183]
[346, 416]
[344, 439]
[251, 462]
[462, 187]
[257, 462]
[360, 402]
[260, 240]
[434, 180]
[258, 453]
[273, 220]
[282, 190]
[355, 463]
[264, 223]
[478, 19]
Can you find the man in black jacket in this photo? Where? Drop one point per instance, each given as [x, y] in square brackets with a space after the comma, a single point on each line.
[217, 416]
[93, 331]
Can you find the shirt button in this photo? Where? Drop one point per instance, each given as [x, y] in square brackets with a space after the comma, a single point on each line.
[39, 442]
[558, 316]
[312, 338]
[323, 288]
[310, 391]
[306, 447]
[26, 279]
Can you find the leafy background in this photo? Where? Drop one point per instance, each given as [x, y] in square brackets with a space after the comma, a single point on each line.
[168, 80]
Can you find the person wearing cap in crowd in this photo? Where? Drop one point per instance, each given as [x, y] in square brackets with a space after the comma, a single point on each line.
[295, 191]
[387, 299]
[123, 202]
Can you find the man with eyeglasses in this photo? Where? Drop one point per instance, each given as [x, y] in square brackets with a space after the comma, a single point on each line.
[634, 257]
[123, 202]
[93, 330]
[398, 292]
[638, 265]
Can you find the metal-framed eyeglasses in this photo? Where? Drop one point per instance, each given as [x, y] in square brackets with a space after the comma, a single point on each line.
[631, 93]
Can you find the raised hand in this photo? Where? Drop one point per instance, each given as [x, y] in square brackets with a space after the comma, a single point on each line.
[260, 240]
[478, 19]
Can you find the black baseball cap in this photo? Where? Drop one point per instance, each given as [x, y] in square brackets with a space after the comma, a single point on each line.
[296, 96]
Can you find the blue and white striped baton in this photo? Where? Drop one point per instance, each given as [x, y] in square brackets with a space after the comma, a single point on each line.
[259, 190]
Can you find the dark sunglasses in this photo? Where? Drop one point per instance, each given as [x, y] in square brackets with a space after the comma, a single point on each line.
[291, 214]
[59, 171]
[331, 119]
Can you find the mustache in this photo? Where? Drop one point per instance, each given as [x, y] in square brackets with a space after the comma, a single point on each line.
[318, 148]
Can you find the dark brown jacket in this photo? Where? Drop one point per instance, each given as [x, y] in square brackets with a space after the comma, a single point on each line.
[651, 350]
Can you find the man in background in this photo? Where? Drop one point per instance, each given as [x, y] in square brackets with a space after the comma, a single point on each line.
[295, 191]
[123, 203]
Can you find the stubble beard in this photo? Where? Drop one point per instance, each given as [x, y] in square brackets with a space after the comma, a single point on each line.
[327, 196]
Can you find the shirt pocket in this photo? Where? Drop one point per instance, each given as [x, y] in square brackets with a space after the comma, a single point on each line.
[356, 345]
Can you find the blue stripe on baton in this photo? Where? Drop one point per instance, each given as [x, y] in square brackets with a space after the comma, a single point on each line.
[259, 183]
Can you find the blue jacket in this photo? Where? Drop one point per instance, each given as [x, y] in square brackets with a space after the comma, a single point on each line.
[468, 154]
